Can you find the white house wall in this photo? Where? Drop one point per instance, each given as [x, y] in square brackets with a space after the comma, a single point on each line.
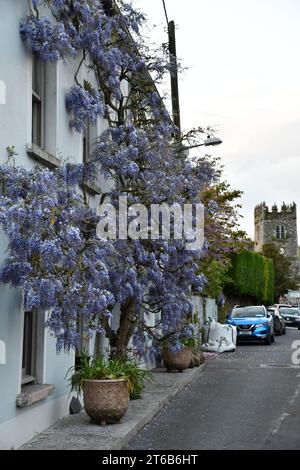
[17, 425]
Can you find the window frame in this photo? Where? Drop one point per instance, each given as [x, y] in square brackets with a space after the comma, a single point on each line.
[29, 347]
[277, 232]
[86, 143]
[38, 102]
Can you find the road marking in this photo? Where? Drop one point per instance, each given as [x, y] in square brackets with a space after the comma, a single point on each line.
[282, 366]
[279, 423]
[285, 414]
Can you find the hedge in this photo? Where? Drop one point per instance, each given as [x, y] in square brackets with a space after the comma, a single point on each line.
[252, 275]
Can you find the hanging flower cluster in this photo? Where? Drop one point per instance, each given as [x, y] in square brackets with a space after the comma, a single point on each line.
[55, 256]
[86, 106]
[49, 42]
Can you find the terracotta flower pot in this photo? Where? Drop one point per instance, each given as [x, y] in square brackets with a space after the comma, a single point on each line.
[105, 401]
[178, 361]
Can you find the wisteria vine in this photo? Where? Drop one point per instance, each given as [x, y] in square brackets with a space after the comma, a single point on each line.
[55, 255]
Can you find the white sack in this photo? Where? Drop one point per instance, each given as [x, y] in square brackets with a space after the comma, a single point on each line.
[220, 338]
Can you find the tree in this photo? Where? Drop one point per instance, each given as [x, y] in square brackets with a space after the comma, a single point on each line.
[138, 154]
[222, 232]
[284, 276]
[222, 220]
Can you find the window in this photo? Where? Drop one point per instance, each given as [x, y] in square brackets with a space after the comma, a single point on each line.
[29, 347]
[86, 144]
[3, 188]
[280, 232]
[38, 77]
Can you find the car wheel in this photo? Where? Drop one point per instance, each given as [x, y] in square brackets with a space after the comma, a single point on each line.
[272, 338]
[268, 340]
[284, 331]
[279, 331]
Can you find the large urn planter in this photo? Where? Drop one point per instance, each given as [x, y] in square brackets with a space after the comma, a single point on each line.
[105, 401]
[177, 361]
[106, 384]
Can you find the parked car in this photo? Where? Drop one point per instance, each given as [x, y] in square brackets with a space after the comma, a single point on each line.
[253, 323]
[279, 322]
[291, 316]
[283, 305]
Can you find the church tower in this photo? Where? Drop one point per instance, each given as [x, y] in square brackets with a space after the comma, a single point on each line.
[278, 227]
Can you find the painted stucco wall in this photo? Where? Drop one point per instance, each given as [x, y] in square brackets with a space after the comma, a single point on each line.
[15, 71]
[18, 425]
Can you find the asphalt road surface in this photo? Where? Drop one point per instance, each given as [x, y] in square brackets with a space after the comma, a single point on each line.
[249, 399]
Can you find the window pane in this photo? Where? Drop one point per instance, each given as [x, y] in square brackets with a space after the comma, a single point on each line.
[36, 76]
[37, 101]
[27, 343]
[86, 144]
[36, 122]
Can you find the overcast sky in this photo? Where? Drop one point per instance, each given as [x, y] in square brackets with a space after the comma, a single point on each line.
[243, 78]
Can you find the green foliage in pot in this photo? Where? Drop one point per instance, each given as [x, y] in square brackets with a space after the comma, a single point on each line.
[100, 368]
[137, 377]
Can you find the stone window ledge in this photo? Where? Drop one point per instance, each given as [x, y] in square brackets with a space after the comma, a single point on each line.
[42, 155]
[31, 394]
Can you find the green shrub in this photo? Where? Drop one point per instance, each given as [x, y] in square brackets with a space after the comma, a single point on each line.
[100, 368]
[252, 274]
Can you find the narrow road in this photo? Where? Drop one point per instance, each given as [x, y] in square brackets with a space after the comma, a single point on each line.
[249, 399]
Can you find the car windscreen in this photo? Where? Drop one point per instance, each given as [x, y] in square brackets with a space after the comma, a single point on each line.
[243, 312]
[289, 311]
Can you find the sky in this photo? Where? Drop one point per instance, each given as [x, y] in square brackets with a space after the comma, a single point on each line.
[243, 79]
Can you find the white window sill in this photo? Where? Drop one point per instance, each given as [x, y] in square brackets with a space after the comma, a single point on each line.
[31, 394]
[26, 379]
[50, 160]
[42, 155]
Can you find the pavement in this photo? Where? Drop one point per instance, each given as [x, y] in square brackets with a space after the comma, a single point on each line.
[75, 432]
[245, 400]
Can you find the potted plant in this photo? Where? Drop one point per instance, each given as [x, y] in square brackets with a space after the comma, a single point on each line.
[106, 385]
[187, 354]
[193, 344]
[176, 359]
[137, 378]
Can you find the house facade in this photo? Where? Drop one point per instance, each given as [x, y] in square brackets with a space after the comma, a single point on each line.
[33, 119]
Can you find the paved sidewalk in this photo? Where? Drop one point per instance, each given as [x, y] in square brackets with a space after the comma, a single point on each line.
[75, 432]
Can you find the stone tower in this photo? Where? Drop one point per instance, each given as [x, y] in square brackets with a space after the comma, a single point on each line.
[278, 227]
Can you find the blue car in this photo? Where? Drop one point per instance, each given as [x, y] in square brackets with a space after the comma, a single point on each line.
[253, 323]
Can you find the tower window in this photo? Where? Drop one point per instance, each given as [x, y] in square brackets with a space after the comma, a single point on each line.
[280, 232]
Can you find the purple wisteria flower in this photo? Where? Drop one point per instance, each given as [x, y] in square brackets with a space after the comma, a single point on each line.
[49, 41]
[85, 105]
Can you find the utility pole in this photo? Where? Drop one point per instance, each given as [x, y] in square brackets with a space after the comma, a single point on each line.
[174, 76]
